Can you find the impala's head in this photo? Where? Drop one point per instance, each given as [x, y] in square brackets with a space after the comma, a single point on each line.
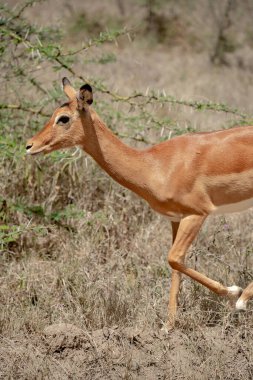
[66, 127]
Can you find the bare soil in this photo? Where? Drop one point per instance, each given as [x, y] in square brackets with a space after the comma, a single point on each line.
[65, 351]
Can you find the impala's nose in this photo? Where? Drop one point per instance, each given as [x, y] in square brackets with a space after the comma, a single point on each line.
[28, 147]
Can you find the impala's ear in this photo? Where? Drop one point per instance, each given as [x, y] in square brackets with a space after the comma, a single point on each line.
[84, 96]
[68, 89]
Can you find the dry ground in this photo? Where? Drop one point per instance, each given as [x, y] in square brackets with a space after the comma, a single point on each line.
[89, 302]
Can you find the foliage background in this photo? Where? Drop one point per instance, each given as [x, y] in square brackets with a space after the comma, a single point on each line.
[76, 247]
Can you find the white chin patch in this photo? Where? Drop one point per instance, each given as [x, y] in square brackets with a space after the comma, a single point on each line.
[31, 153]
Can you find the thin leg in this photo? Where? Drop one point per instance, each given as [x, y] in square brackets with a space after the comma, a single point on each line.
[247, 294]
[175, 282]
[187, 231]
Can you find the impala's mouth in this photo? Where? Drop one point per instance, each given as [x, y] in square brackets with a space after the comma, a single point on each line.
[30, 151]
[33, 153]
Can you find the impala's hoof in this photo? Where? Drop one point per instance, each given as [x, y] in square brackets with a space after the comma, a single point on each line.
[234, 292]
[241, 305]
[167, 328]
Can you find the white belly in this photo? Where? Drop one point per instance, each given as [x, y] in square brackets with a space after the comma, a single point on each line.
[233, 207]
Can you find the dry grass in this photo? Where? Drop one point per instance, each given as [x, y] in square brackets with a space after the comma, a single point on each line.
[113, 275]
[102, 267]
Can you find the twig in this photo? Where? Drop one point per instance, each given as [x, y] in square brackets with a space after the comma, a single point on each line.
[27, 4]
[137, 99]
[23, 108]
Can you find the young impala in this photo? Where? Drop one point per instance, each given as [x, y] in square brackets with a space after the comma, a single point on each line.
[186, 178]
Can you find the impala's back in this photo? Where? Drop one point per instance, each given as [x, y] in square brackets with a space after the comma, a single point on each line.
[208, 173]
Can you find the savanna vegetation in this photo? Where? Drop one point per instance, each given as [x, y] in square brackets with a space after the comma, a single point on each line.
[84, 278]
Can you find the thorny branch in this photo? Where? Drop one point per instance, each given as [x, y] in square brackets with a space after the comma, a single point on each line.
[21, 107]
[61, 58]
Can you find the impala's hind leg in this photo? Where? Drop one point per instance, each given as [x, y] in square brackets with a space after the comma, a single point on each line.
[186, 233]
[247, 294]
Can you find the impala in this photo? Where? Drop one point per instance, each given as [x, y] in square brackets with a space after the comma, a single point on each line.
[185, 178]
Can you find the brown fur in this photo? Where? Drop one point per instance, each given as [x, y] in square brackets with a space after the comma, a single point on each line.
[187, 177]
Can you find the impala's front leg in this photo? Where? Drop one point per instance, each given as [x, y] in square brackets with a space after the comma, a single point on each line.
[175, 283]
[183, 235]
[186, 233]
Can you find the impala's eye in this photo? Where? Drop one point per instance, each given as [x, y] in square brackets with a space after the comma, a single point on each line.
[63, 120]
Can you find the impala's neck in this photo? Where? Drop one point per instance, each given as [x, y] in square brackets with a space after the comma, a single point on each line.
[126, 165]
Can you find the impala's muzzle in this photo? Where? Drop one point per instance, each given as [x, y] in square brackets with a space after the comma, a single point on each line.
[33, 149]
[28, 147]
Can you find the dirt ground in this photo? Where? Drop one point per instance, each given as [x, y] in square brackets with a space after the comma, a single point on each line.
[67, 352]
[92, 305]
